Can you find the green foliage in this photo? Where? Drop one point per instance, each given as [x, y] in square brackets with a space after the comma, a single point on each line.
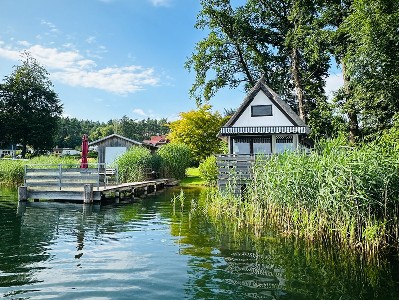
[29, 107]
[192, 178]
[176, 158]
[337, 192]
[372, 61]
[198, 130]
[70, 130]
[292, 43]
[12, 171]
[280, 40]
[208, 170]
[134, 164]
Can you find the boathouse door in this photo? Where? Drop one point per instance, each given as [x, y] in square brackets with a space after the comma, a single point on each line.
[112, 153]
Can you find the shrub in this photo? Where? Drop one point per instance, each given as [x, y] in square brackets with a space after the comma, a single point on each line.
[208, 170]
[133, 164]
[175, 159]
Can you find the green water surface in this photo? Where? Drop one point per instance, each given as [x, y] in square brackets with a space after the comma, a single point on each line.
[152, 250]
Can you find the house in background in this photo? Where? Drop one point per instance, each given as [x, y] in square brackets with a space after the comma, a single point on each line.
[263, 124]
[8, 151]
[111, 147]
[65, 151]
[157, 141]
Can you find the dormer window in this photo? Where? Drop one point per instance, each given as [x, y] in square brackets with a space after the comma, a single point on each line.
[261, 110]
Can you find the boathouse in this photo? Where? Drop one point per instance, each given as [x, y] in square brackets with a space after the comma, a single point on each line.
[263, 124]
[111, 147]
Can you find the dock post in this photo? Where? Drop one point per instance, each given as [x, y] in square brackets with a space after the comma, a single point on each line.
[88, 194]
[22, 193]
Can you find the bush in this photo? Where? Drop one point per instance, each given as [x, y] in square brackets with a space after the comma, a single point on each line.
[208, 170]
[133, 165]
[176, 158]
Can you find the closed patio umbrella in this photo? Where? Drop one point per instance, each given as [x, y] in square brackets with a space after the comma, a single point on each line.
[85, 151]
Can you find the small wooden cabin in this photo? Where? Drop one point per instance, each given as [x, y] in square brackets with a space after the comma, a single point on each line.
[111, 147]
[263, 124]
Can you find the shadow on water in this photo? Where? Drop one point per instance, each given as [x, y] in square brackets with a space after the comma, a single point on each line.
[160, 249]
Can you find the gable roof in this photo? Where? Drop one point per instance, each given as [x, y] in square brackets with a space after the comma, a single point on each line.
[274, 98]
[114, 136]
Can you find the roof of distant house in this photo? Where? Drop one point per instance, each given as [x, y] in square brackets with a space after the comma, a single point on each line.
[157, 140]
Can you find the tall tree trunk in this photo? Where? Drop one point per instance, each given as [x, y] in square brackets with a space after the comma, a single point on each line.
[297, 83]
[351, 109]
[245, 66]
[23, 152]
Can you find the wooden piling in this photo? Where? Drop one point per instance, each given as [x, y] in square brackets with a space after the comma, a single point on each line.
[88, 194]
[22, 193]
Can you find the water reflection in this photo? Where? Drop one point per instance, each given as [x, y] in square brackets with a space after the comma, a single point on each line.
[151, 250]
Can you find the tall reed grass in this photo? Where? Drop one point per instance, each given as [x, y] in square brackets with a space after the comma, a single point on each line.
[12, 171]
[336, 193]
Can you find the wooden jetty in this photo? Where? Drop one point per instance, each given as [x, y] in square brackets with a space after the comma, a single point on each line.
[71, 183]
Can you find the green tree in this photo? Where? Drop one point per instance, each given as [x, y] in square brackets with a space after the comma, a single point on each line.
[29, 106]
[372, 62]
[282, 39]
[70, 131]
[198, 129]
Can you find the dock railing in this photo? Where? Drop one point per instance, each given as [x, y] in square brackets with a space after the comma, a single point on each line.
[67, 176]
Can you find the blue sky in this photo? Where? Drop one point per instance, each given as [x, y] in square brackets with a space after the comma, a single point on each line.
[110, 58]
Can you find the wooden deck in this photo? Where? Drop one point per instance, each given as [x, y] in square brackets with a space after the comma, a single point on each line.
[70, 183]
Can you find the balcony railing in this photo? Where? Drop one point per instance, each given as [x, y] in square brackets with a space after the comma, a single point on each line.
[263, 130]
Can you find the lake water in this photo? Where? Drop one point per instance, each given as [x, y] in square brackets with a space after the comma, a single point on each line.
[151, 250]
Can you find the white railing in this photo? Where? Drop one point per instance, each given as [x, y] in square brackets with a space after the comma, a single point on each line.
[68, 176]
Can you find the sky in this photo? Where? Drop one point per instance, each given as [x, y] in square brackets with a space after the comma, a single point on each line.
[113, 58]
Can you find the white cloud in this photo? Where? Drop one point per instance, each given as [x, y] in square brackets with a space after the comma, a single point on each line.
[165, 3]
[333, 83]
[9, 54]
[149, 114]
[139, 111]
[72, 68]
[91, 39]
[24, 43]
[50, 25]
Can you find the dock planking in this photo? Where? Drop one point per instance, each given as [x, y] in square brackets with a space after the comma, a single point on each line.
[67, 183]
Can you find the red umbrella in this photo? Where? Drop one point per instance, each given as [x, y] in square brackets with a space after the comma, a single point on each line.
[85, 151]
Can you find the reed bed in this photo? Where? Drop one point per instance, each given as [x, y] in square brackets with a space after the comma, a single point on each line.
[336, 193]
[12, 171]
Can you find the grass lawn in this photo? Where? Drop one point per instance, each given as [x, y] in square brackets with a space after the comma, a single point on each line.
[192, 178]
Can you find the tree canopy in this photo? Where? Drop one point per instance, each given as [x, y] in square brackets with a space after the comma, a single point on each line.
[293, 43]
[70, 130]
[198, 130]
[29, 107]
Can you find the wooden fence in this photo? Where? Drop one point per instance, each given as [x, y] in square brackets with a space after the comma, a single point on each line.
[235, 171]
